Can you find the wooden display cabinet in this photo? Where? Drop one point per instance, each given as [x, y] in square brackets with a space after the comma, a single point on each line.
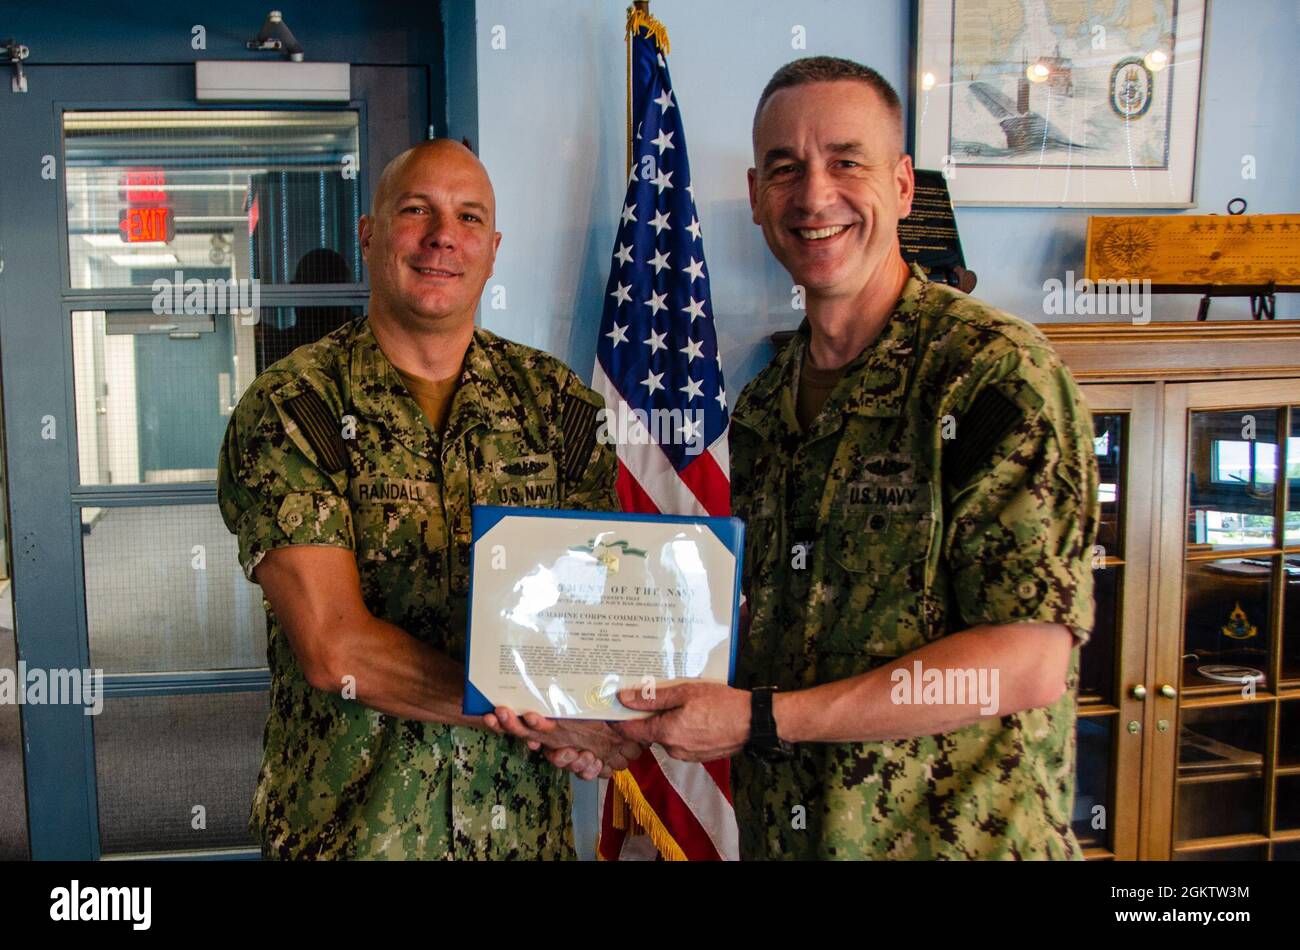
[1189, 692]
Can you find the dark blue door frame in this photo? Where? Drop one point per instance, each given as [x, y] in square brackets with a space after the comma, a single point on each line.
[436, 40]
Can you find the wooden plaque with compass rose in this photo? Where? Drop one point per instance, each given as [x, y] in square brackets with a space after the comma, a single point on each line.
[1202, 249]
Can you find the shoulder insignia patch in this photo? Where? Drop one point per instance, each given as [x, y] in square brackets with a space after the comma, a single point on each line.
[578, 423]
[990, 418]
[320, 428]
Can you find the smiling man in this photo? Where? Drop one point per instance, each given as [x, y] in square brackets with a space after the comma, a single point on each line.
[347, 472]
[916, 474]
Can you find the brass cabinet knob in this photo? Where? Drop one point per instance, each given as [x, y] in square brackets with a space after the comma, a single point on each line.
[1168, 692]
[1139, 692]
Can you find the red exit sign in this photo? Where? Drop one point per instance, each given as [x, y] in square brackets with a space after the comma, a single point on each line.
[143, 186]
[145, 224]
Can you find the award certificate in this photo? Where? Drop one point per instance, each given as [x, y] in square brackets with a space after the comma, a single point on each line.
[568, 607]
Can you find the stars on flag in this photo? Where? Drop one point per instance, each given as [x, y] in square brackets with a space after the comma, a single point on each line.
[663, 141]
[658, 290]
[656, 342]
[695, 308]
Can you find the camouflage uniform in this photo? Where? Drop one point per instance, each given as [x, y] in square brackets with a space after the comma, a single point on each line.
[339, 779]
[910, 536]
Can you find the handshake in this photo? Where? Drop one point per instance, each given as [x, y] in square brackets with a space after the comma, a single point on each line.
[694, 722]
[587, 749]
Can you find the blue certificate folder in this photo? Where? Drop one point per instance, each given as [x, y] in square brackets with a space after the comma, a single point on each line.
[729, 531]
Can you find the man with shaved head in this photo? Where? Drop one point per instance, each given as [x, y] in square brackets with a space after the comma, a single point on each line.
[347, 473]
[916, 475]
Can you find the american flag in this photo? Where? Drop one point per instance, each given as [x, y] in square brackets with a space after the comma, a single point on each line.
[658, 351]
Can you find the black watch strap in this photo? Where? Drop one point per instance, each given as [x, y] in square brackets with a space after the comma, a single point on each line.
[764, 743]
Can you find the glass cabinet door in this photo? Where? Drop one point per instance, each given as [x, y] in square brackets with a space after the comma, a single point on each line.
[1113, 661]
[1227, 690]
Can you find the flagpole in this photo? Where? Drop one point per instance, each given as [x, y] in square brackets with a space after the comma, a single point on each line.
[615, 798]
[639, 800]
[642, 7]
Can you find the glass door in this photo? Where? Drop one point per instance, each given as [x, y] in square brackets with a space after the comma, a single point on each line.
[1227, 688]
[159, 256]
[1110, 729]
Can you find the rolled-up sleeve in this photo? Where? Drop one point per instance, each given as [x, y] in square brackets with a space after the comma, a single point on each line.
[271, 489]
[1022, 497]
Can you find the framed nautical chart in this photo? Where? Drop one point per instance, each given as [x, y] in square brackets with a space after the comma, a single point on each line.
[1060, 103]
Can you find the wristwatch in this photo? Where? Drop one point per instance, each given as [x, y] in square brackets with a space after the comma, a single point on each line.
[763, 742]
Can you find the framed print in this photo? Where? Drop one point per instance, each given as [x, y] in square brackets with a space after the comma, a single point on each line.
[1060, 103]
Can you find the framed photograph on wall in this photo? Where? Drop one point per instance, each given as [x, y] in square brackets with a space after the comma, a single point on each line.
[1060, 103]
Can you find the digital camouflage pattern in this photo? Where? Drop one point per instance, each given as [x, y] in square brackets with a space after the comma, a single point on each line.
[908, 536]
[338, 779]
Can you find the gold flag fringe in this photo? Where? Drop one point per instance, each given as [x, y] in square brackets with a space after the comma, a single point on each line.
[642, 20]
[631, 812]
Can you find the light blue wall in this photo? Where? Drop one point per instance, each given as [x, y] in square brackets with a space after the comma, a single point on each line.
[551, 126]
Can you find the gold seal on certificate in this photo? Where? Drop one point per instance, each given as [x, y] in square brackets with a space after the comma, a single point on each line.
[569, 607]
